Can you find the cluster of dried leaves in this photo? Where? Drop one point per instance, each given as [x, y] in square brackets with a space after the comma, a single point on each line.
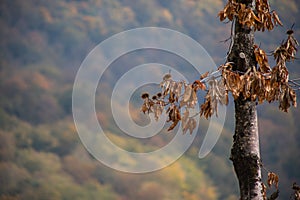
[262, 18]
[296, 194]
[258, 84]
[174, 96]
[287, 50]
[273, 179]
[265, 83]
[217, 93]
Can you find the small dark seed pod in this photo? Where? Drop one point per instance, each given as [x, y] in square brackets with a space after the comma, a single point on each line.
[290, 32]
[145, 95]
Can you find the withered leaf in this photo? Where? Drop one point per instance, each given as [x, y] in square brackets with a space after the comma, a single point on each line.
[217, 93]
[222, 15]
[254, 17]
[174, 116]
[262, 59]
[206, 108]
[187, 92]
[287, 95]
[158, 108]
[202, 76]
[144, 108]
[190, 125]
[276, 19]
[173, 125]
[189, 97]
[147, 106]
[198, 85]
[185, 117]
[187, 122]
[229, 11]
[273, 179]
[171, 97]
[233, 82]
[267, 19]
[177, 90]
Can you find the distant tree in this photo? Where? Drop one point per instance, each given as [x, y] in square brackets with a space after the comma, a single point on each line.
[249, 77]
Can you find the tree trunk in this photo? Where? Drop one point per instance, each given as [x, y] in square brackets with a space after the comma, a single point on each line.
[245, 153]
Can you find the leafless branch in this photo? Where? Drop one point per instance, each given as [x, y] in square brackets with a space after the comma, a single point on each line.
[231, 39]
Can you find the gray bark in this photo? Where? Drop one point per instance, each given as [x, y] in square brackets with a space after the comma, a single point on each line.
[245, 153]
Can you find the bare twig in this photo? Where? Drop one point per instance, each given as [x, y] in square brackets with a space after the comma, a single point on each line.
[231, 39]
[213, 74]
[295, 83]
[296, 79]
[198, 113]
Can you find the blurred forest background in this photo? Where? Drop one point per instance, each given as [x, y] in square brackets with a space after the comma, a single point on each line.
[42, 44]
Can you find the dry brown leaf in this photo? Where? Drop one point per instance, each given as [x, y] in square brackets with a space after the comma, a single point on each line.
[158, 109]
[171, 97]
[202, 76]
[198, 85]
[267, 19]
[174, 116]
[276, 19]
[223, 93]
[222, 15]
[187, 123]
[273, 179]
[229, 11]
[177, 90]
[190, 125]
[206, 109]
[144, 108]
[187, 92]
[189, 97]
[185, 117]
[173, 125]
[253, 16]
[147, 106]
[287, 50]
[232, 82]
[287, 95]
[194, 99]
[262, 59]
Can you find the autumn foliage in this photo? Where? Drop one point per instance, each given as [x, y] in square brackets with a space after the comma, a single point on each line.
[261, 20]
[259, 83]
